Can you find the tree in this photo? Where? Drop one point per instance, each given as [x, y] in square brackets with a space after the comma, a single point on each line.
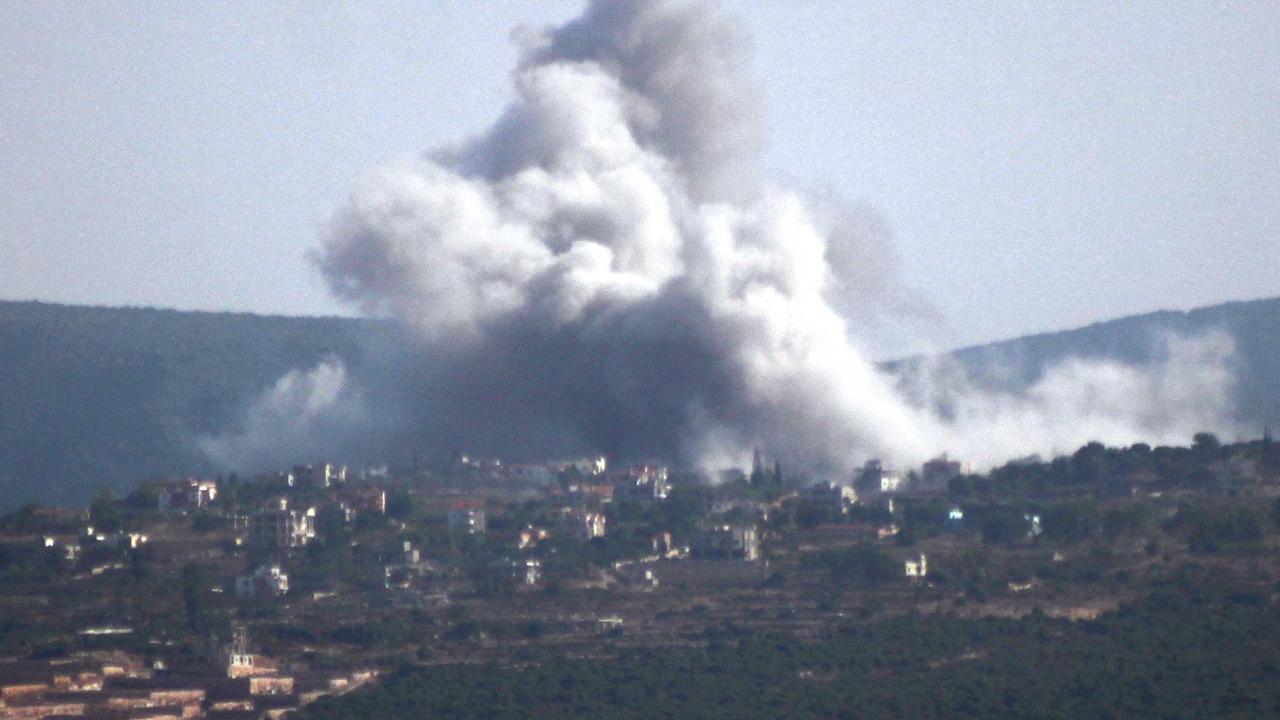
[1206, 443]
[757, 469]
[104, 512]
[1003, 525]
[399, 504]
[195, 582]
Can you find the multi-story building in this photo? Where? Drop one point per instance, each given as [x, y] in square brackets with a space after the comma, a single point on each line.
[736, 541]
[283, 527]
[641, 483]
[187, 494]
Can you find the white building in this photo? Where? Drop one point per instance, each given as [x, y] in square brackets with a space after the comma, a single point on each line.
[586, 525]
[280, 526]
[890, 482]
[917, 569]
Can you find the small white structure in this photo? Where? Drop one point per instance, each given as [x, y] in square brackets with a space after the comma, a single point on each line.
[234, 655]
[586, 525]
[650, 579]
[410, 555]
[1034, 527]
[279, 526]
[917, 569]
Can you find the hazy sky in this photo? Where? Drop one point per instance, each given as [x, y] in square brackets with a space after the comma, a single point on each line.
[1041, 165]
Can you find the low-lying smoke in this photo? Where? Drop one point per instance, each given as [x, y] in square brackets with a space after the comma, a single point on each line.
[605, 269]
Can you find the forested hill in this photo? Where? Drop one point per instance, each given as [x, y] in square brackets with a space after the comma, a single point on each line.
[1254, 325]
[94, 398]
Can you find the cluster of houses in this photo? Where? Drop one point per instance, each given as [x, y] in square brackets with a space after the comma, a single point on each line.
[231, 683]
[582, 486]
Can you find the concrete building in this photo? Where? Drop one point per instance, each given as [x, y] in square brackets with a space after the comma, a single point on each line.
[731, 541]
[187, 494]
[283, 527]
[834, 495]
[641, 483]
[938, 472]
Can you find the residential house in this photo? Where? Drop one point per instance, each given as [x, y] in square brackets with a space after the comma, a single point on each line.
[366, 499]
[585, 525]
[533, 474]
[531, 536]
[938, 472]
[875, 478]
[735, 541]
[325, 475]
[187, 494]
[283, 527]
[833, 495]
[266, 580]
[641, 483]
[467, 516]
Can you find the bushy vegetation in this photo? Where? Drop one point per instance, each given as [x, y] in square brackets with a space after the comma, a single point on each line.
[1199, 646]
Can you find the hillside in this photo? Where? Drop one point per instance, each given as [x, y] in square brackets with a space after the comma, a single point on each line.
[92, 397]
[1255, 326]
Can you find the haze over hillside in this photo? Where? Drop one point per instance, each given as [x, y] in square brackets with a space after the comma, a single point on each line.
[94, 398]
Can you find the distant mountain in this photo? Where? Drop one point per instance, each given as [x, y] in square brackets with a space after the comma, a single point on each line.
[1255, 326]
[94, 398]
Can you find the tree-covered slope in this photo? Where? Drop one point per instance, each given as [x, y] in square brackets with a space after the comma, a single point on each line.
[1254, 327]
[95, 398]
[1199, 648]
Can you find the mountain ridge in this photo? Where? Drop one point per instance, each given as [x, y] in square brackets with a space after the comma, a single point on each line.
[95, 397]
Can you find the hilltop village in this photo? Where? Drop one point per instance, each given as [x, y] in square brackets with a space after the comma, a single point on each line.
[253, 597]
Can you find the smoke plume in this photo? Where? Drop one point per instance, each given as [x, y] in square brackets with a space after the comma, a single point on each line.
[606, 269]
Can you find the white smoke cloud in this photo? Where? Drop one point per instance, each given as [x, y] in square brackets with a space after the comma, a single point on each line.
[604, 269]
[1188, 388]
[294, 421]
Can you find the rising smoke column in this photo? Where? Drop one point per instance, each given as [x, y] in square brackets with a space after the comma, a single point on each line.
[605, 269]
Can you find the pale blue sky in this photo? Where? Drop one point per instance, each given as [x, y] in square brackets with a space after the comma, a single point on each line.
[1042, 165]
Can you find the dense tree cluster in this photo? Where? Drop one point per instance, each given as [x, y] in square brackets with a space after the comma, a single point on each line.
[1199, 646]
